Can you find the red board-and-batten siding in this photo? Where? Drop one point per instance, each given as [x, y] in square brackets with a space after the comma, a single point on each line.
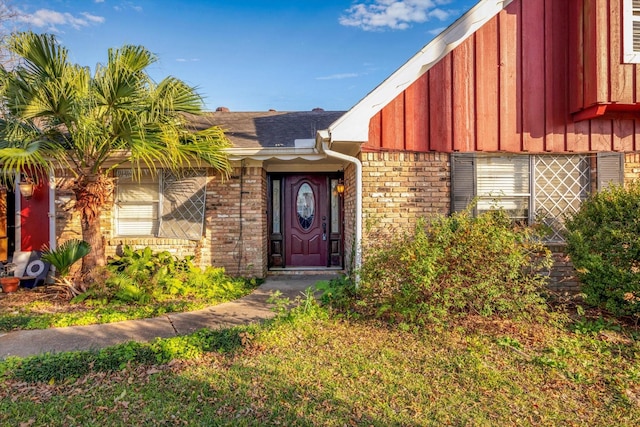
[513, 85]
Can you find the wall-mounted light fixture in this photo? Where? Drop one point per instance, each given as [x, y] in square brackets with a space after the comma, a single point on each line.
[340, 187]
[26, 186]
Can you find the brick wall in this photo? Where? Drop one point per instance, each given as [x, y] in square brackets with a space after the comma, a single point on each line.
[631, 167]
[349, 216]
[399, 188]
[236, 226]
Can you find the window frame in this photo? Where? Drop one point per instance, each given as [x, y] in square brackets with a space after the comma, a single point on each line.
[630, 55]
[179, 204]
[464, 177]
[119, 203]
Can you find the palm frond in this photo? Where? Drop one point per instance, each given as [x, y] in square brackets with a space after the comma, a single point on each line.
[67, 254]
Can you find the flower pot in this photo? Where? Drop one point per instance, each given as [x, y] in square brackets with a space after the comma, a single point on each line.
[9, 284]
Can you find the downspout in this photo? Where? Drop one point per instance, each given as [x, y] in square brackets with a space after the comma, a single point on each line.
[357, 262]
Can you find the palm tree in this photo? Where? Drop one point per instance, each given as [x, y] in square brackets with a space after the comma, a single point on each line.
[54, 112]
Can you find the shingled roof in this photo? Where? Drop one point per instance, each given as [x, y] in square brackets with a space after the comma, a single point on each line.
[269, 128]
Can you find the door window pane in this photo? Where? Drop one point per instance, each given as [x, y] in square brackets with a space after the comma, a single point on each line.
[335, 207]
[275, 198]
[305, 204]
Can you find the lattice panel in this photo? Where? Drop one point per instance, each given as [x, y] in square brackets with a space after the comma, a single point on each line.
[183, 205]
[561, 184]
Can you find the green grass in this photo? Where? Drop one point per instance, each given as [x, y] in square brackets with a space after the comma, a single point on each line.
[316, 369]
[44, 313]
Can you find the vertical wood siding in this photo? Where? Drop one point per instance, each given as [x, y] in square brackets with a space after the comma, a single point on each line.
[514, 84]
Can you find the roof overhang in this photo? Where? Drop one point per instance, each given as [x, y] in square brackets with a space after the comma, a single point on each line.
[281, 153]
[607, 110]
[287, 159]
[353, 126]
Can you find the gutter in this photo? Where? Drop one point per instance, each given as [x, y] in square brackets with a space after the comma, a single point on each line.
[357, 262]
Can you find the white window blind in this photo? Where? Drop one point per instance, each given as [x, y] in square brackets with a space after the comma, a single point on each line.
[631, 31]
[503, 182]
[137, 204]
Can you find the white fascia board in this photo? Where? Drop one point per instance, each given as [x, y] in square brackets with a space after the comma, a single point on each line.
[353, 126]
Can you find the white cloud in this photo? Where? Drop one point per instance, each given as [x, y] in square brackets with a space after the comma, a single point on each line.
[338, 76]
[52, 20]
[127, 5]
[395, 14]
[187, 60]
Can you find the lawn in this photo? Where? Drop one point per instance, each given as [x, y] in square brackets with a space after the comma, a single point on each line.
[44, 307]
[316, 368]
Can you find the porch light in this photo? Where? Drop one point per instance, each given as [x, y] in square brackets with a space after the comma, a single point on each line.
[26, 187]
[340, 187]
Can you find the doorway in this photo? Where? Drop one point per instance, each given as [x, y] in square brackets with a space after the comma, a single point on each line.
[305, 221]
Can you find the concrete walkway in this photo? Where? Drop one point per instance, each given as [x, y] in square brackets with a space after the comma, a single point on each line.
[252, 308]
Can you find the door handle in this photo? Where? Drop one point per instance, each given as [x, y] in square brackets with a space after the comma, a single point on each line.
[324, 231]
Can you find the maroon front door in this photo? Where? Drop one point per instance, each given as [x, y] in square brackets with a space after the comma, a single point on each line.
[306, 221]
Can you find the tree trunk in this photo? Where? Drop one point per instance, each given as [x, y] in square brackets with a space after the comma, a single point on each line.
[92, 195]
[92, 234]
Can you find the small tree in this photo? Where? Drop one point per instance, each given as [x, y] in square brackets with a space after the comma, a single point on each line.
[604, 245]
[90, 124]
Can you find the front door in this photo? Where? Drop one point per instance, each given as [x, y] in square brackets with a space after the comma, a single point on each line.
[306, 221]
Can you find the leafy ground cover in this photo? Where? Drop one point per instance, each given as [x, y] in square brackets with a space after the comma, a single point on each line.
[314, 368]
[137, 284]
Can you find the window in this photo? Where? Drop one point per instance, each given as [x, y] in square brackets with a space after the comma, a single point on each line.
[504, 180]
[163, 204]
[631, 31]
[137, 204]
[536, 188]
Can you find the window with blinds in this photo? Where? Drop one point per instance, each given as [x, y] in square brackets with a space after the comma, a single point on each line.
[530, 188]
[503, 182]
[631, 29]
[137, 204]
[164, 204]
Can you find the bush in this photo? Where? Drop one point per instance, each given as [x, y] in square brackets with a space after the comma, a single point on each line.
[455, 266]
[604, 245]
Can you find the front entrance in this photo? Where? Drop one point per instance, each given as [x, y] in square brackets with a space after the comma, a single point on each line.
[305, 221]
[306, 212]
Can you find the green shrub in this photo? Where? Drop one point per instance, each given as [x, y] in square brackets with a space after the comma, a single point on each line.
[455, 266]
[604, 245]
[142, 276]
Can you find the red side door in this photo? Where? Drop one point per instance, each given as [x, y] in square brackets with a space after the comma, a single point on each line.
[306, 217]
[34, 217]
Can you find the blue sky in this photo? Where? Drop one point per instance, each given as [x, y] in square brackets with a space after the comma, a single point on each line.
[251, 55]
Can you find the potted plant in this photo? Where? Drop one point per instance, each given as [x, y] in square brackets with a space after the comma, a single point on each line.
[8, 282]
